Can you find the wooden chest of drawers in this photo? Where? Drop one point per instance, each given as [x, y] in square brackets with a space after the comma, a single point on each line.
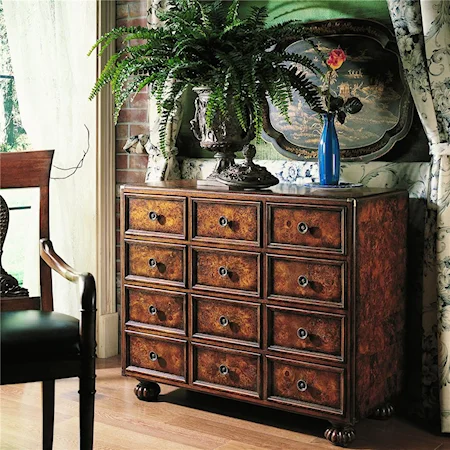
[291, 298]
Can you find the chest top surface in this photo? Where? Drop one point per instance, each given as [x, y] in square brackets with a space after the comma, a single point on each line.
[191, 187]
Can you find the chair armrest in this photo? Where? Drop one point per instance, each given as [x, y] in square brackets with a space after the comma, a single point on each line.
[86, 281]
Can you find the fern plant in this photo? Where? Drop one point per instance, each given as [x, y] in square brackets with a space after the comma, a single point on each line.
[209, 45]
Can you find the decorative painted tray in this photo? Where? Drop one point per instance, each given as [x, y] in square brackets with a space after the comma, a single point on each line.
[372, 73]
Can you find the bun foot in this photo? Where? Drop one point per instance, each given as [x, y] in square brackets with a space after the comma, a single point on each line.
[383, 412]
[147, 391]
[340, 435]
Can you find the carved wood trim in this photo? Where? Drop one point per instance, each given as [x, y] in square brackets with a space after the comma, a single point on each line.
[107, 332]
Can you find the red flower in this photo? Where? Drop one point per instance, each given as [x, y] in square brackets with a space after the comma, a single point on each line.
[336, 58]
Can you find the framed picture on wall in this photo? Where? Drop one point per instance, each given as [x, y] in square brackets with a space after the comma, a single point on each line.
[372, 72]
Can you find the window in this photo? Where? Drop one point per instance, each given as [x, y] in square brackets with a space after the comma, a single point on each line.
[12, 135]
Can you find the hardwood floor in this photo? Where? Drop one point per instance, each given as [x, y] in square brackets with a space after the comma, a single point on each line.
[182, 420]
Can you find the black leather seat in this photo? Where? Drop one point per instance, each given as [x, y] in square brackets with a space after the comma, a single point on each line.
[31, 335]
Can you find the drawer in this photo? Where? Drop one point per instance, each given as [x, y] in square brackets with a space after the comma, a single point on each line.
[155, 309]
[156, 215]
[155, 263]
[227, 220]
[226, 320]
[314, 281]
[227, 370]
[161, 357]
[306, 332]
[223, 270]
[307, 385]
[306, 226]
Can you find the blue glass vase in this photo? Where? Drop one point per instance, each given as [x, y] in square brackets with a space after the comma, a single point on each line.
[329, 155]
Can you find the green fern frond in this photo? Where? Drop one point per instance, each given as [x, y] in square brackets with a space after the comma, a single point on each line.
[258, 17]
[232, 14]
[303, 61]
[208, 44]
[168, 107]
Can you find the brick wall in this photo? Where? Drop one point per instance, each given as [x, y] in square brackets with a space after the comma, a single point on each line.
[133, 117]
[132, 121]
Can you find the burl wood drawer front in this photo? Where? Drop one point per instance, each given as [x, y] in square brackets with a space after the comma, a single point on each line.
[223, 270]
[228, 220]
[306, 385]
[152, 355]
[306, 226]
[226, 320]
[228, 370]
[157, 263]
[157, 215]
[156, 309]
[316, 281]
[306, 332]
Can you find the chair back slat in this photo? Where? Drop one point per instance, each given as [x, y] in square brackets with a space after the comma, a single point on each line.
[25, 169]
[32, 170]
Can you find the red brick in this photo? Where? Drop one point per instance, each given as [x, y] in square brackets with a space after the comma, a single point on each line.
[117, 206]
[122, 131]
[130, 176]
[138, 9]
[120, 45]
[136, 129]
[117, 251]
[121, 162]
[140, 101]
[118, 267]
[142, 22]
[134, 42]
[133, 115]
[138, 161]
[122, 11]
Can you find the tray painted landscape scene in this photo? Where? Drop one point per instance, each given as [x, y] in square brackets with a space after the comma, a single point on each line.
[372, 72]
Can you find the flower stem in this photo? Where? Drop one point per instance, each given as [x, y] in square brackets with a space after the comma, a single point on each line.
[329, 91]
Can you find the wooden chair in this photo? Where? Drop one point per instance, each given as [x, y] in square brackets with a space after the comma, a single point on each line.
[40, 344]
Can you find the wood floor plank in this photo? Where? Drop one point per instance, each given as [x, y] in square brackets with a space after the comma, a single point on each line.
[265, 440]
[109, 437]
[165, 431]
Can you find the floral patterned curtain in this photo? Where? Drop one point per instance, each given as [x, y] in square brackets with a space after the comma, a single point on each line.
[422, 29]
[158, 167]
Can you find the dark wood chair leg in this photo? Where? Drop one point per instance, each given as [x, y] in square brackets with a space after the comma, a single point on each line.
[87, 394]
[48, 413]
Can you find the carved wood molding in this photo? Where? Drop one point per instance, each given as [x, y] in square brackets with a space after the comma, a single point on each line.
[107, 332]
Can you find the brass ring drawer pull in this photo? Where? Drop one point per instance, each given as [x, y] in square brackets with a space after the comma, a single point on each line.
[224, 370]
[152, 310]
[152, 215]
[223, 271]
[302, 333]
[223, 221]
[302, 385]
[302, 227]
[223, 321]
[153, 356]
[303, 281]
[152, 263]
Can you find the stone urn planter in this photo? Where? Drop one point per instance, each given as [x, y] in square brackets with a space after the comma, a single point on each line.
[224, 138]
